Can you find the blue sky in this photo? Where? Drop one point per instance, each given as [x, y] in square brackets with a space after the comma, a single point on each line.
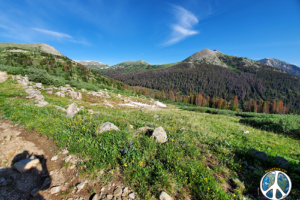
[156, 31]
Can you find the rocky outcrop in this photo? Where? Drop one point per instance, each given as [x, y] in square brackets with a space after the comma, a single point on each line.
[164, 196]
[259, 154]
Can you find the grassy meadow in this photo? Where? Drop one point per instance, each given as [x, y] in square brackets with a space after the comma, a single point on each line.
[203, 158]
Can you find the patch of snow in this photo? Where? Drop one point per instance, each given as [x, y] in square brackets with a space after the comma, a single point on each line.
[160, 104]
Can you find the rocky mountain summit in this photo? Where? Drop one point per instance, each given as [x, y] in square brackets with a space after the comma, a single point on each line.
[290, 68]
[206, 56]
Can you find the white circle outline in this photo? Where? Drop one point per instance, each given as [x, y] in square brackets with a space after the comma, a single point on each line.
[284, 195]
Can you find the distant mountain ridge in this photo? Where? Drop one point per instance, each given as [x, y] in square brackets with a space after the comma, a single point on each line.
[290, 68]
[95, 65]
[30, 47]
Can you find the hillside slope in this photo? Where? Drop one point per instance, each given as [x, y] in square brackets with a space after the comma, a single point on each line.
[30, 47]
[260, 83]
[290, 68]
[95, 65]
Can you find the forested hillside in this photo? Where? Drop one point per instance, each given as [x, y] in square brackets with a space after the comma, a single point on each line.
[256, 82]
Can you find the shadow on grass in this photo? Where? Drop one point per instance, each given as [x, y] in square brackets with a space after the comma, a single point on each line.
[253, 169]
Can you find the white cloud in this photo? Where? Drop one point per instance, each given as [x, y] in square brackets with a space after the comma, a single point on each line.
[53, 33]
[183, 28]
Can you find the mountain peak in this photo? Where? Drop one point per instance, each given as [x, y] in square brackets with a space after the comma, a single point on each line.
[290, 68]
[206, 56]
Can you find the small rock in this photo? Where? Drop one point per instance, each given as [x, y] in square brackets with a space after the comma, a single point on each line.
[259, 154]
[54, 158]
[150, 125]
[65, 152]
[125, 192]
[110, 196]
[160, 135]
[118, 192]
[68, 158]
[107, 126]
[34, 192]
[281, 162]
[71, 110]
[26, 164]
[80, 186]
[55, 189]
[164, 196]
[2, 169]
[156, 116]
[131, 195]
[46, 183]
[144, 129]
[102, 189]
[95, 197]
[243, 131]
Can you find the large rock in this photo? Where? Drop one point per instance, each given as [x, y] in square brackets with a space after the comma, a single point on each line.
[80, 186]
[72, 110]
[75, 95]
[39, 86]
[107, 126]
[160, 135]
[34, 94]
[164, 196]
[22, 81]
[3, 77]
[26, 164]
[260, 155]
[282, 162]
[118, 192]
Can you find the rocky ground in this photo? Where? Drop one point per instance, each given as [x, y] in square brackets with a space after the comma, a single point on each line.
[48, 178]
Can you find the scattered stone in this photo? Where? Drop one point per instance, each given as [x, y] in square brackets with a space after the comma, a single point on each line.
[144, 129]
[102, 189]
[26, 164]
[55, 189]
[39, 85]
[41, 103]
[80, 186]
[259, 154]
[46, 183]
[110, 196]
[75, 95]
[68, 158]
[60, 108]
[34, 192]
[54, 158]
[164, 196]
[150, 125]
[49, 92]
[34, 94]
[3, 76]
[95, 197]
[130, 127]
[160, 135]
[125, 100]
[90, 111]
[243, 131]
[281, 162]
[156, 116]
[107, 126]
[83, 90]
[119, 95]
[131, 195]
[71, 110]
[65, 152]
[118, 192]
[125, 192]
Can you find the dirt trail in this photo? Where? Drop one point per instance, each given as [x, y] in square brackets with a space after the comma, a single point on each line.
[16, 144]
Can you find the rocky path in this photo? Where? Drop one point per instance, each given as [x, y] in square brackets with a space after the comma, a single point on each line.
[48, 179]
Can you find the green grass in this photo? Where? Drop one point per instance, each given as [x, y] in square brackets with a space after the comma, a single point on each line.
[178, 167]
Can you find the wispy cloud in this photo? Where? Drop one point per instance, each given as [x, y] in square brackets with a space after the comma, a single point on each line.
[184, 26]
[53, 33]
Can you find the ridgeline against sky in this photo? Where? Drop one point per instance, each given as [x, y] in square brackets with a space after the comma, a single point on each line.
[155, 31]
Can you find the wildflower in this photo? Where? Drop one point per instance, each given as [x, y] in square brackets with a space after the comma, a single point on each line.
[132, 161]
[208, 189]
[233, 195]
[125, 151]
[125, 165]
[154, 162]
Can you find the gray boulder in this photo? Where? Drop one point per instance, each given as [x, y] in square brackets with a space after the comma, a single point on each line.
[75, 95]
[281, 162]
[107, 126]
[41, 104]
[260, 155]
[160, 135]
[39, 86]
[72, 110]
[34, 94]
[3, 76]
[131, 195]
[165, 196]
